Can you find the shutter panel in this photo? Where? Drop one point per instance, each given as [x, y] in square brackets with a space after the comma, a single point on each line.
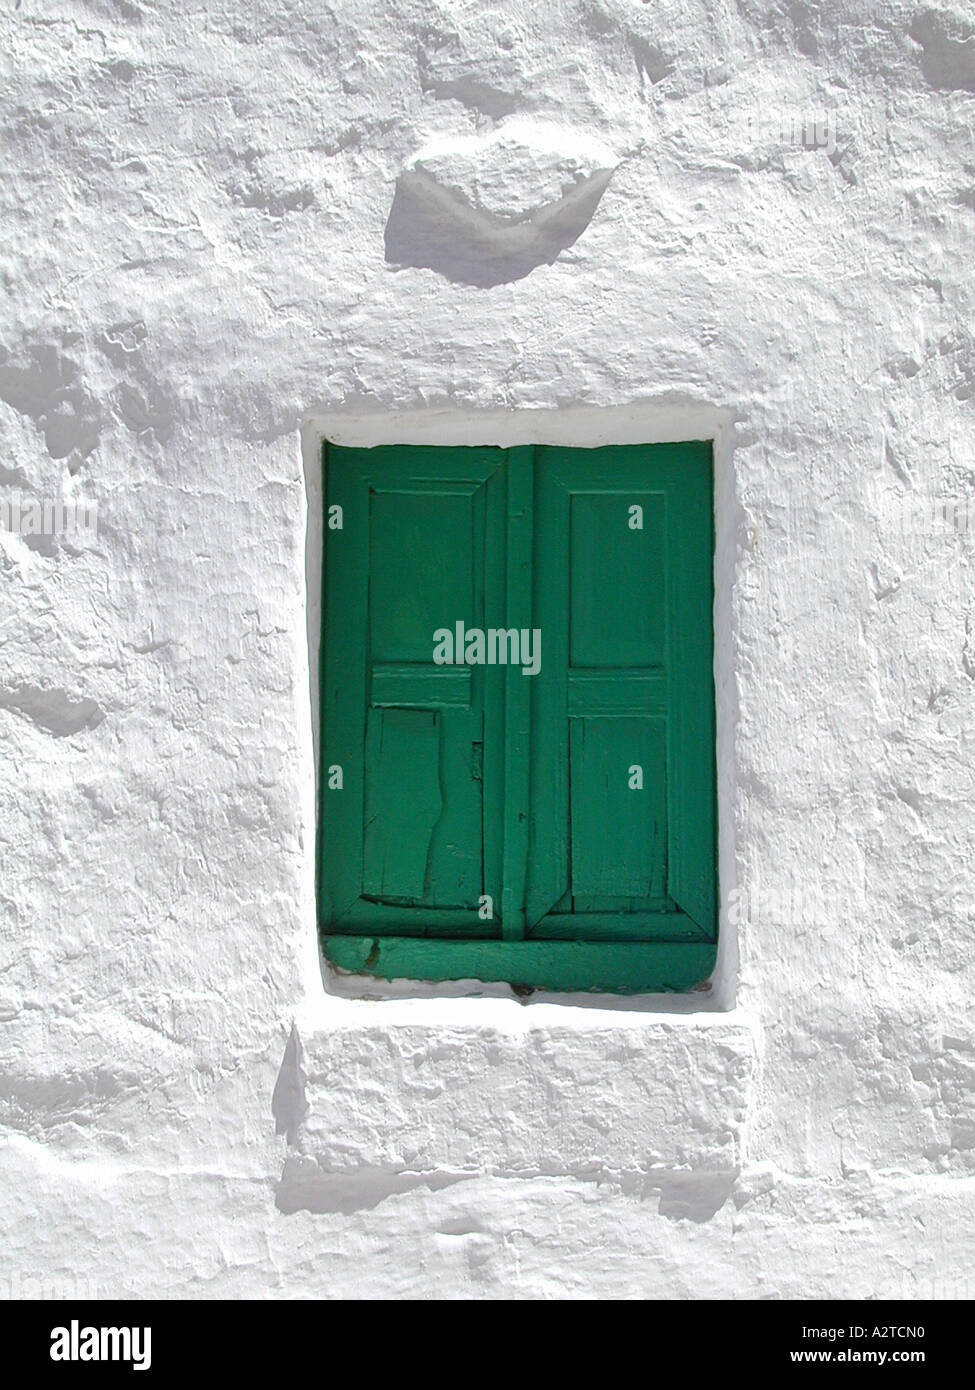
[622, 728]
[403, 843]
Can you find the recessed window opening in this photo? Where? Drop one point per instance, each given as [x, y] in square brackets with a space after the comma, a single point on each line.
[517, 776]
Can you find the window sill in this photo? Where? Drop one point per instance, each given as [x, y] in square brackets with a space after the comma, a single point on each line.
[431, 1085]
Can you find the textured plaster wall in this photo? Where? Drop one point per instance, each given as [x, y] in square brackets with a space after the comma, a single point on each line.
[228, 228]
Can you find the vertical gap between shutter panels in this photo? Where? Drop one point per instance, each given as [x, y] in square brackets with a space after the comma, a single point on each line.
[517, 733]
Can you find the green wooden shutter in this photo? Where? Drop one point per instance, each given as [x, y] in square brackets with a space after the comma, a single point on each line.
[462, 783]
[412, 834]
[626, 683]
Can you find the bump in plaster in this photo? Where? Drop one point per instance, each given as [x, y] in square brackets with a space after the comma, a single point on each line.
[484, 210]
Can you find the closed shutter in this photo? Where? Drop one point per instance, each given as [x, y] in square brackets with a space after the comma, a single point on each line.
[623, 708]
[556, 829]
[411, 834]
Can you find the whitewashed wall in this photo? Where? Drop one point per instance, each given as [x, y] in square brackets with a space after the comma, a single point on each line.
[752, 219]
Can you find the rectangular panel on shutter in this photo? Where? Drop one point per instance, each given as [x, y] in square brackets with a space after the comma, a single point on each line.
[618, 830]
[403, 801]
[617, 591]
[421, 569]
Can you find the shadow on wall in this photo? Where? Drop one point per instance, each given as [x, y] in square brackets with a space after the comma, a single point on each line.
[947, 40]
[435, 228]
[306, 1186]
[289, 1105]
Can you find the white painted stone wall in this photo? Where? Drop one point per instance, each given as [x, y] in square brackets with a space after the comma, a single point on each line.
[229, 228]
